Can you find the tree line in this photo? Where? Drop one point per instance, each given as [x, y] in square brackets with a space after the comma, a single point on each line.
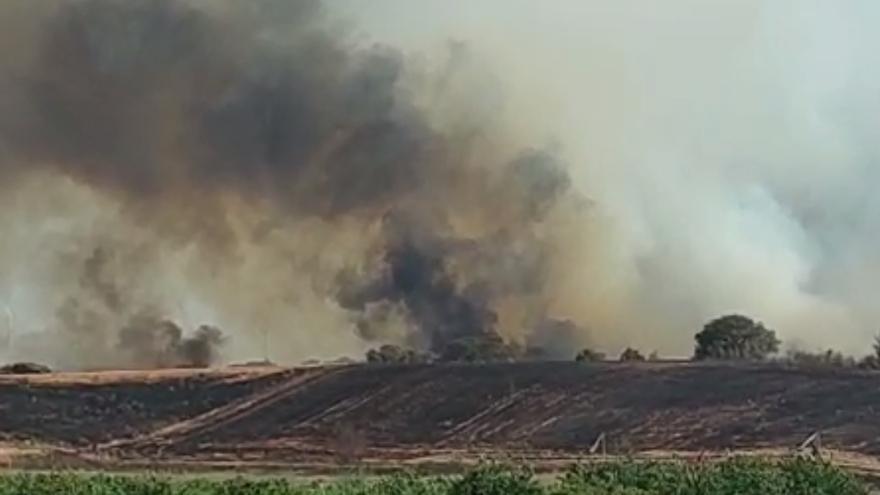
[732, 337]
[739, 338]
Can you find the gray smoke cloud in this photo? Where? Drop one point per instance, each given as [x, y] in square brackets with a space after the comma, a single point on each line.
[729, 146]
[112, 324]
[253, 163]
[315, 187]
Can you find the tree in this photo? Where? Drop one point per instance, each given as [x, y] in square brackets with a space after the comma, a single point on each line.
[486, 347]
[24, 368]
[827, 359]
[589, 356]
[630, 354]
[392, 354]
[735, 337]
[872, 361]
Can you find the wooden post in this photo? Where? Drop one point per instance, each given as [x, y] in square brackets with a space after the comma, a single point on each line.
[814, 444]
[599, 443]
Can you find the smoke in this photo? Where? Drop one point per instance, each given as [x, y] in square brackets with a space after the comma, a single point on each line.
[107, 319]
[414, 274]
[253, 167]
[152, 343]
[315, 188]
[448, 285]
[729, 148]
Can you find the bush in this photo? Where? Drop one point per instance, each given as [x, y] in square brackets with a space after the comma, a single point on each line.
[733, 477]
[872, 361]
[496, 480]
[487, 347]
[392, 354]
[24, 369]
[827, 359]
[589, 356]
[630, 354]
[735, 337]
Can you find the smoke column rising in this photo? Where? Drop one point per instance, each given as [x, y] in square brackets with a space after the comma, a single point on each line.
[730, 147]
[269, 169]
[254, 163]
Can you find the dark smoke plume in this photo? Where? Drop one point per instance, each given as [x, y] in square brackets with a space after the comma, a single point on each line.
[160, 99]
[109, 318]
[414, 273]
[257, 130]
[152, 343]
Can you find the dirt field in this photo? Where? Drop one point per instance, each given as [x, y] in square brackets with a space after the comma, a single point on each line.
[436, 416]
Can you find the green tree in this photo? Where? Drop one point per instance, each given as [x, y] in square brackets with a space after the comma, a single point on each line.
[735, 337]
[872, 361]
[630, 354]
[589, 356]
[486, 347]
[393, 354]
[827, 359]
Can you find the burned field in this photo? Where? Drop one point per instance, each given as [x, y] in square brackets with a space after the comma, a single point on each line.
[431, 413]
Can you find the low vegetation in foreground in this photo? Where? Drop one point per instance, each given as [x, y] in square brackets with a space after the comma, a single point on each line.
[734, 477]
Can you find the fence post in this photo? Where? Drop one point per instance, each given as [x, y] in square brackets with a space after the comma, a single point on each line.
[599, 443]
[814, 444]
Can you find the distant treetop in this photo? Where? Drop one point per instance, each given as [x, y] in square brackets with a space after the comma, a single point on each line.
[735, 337]
[589, 356]
[630, 354]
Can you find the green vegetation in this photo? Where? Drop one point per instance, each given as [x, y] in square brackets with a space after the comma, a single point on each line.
[589, 356]
[393, 354]
[834, 359]
[735, 477]
[872, 361]
[827, 359]
[630, 354]
[485, 348]
[735, 337]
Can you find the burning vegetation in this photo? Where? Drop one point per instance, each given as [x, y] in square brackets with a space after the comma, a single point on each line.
[227, 134]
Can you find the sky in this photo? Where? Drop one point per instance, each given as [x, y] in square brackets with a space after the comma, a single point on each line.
[732, 145]
[727, 149]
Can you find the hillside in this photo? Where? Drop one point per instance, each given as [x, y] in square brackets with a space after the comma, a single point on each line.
[407, 412]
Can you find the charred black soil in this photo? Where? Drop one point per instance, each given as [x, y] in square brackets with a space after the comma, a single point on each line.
[403, 412]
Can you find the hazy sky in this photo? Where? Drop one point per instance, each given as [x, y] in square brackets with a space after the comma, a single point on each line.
[729, 150]
[733, 144]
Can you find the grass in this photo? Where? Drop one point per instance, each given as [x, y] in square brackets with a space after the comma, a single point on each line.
[734, 477]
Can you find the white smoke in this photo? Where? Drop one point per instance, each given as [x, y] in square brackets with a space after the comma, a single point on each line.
[730, 148]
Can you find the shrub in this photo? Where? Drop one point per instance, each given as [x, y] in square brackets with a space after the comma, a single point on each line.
[589, 356]
[496, 480]
[392, 354]
[486, 347]
[733, 477]
[630, 354]
[24, 369]
[872, 361]
[827, 359]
